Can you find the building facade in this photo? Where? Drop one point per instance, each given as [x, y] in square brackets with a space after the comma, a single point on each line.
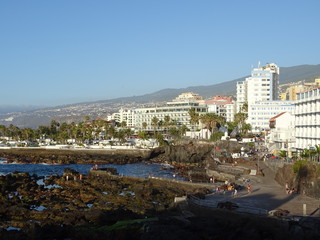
[260, 113]
[178, 112]
[217, 105]
[307, 118]
[281, 135]
[241, 95]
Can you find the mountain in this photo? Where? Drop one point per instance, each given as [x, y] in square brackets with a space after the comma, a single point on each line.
[20, 108]
[100, 109]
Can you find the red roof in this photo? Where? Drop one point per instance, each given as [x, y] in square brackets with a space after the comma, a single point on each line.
[274, 118]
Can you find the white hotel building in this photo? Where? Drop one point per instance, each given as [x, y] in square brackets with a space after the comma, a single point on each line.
[307, 119]
[260, 91]
[177, 111]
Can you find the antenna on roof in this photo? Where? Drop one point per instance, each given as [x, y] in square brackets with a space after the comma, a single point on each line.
[259, 64]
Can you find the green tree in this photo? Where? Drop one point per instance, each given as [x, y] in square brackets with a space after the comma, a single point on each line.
[3, 130]
[123, 124]
[174, 132]
[144, 125]
[240, 118]
[317, 151]
[160, 139]
[194, 118]
[245, 128]
[283, 154]
[211, 121]
[143, 135]
[13, 132]
[27, 134]
[183, 129]
[166, 122]
[154, 123]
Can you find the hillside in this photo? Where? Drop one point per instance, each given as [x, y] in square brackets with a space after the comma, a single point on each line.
[101, 109]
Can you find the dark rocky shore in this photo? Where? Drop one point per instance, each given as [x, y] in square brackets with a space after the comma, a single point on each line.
[102, 205]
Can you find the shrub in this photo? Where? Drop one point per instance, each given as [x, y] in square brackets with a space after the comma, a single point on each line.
[298, 164]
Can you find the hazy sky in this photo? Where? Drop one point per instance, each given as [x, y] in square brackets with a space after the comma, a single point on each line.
[68, 51]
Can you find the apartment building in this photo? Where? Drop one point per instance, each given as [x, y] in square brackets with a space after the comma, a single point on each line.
[260, 91]
[177, 111]
[218, 105]
[260, 113]
[307, 118]
[124, 115]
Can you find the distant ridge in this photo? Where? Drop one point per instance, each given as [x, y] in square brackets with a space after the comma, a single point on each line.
[100, 109]
[287, 74]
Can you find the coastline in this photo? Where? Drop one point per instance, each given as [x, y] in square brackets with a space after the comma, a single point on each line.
[70, 156]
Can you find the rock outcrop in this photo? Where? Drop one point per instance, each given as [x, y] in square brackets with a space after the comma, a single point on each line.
[303, 176]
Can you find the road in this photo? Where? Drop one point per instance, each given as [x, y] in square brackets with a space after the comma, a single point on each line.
[266, 195]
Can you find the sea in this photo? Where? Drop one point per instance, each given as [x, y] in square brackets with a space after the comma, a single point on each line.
[142, 170]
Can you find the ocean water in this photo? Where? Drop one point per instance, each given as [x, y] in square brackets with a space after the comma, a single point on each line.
[142, 170]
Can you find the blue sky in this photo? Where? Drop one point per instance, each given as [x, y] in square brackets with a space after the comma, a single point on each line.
[70, 51]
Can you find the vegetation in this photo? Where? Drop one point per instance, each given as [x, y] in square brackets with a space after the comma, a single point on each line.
[81, 132]
[298, 165]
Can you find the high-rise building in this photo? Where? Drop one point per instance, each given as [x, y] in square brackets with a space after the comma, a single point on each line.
[263, 84]
[257, 90]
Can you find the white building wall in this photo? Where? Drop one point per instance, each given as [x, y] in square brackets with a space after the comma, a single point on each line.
[241, 94]
[218, 109]
[177, 111]
[283, 133]
[260, 113]
[230, 112]
[307, 119]
[262, 86]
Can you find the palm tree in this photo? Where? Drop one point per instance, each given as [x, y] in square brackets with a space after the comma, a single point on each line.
[166, 122]
[210, 121]
[154, 123]
[144, 125]
[245, 128]
[174, 132]
[142, 135]
[54, 125]
[240, 118]
[123, 124]
[317, 150]
[283, 154]
[194, 117]
[244, 107]
[183, 129]
[305, 153]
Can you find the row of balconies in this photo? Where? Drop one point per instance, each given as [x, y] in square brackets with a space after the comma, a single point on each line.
[306, 143]
[308, 99]
[307, 108]
[311, 132]
[313, 120]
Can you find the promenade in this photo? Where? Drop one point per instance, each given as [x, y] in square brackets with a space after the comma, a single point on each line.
[266, 195]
